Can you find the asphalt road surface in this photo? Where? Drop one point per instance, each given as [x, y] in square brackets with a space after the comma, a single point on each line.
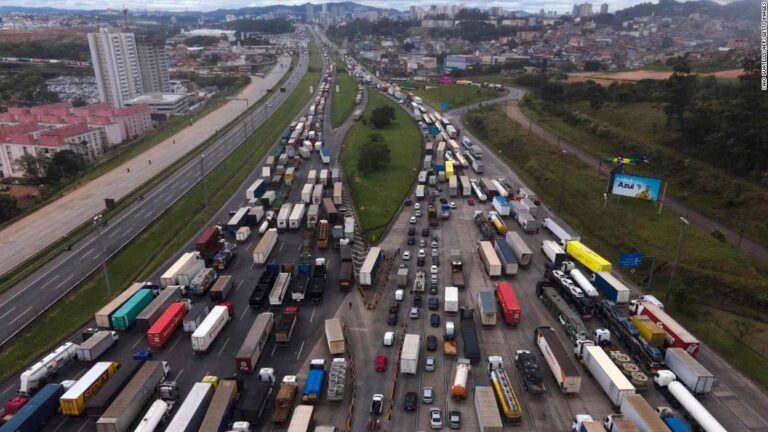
[30, 298]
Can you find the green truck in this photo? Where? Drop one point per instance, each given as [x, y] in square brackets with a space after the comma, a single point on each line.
[124, 317]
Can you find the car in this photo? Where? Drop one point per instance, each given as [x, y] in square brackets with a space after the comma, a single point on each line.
[429, 363]
[433, 269]
[470, 201]
[436, 260]
[417, 206]
[417, 213]
[435, 252]
[422, 254]
[443, 201]
[439, 189]
[427, 394]
[433, 303]
[392, 319]
[389, 338]
[434, 320]
[454, 419]
[411, 240]
[414, 313]
[422, 243]
[381, 363]
[431, 342]
[406, 255]
[408, 202]
[433, 278]
[410, 401]
[411, 231]
[394, 307]
[435, 418]
[420, 261]
[412, 221]
[435, 237]
[399, 295]
[377, 405]
[434, 244]
[452, 205]
[417, 300]
[433, 288]
[425, 232]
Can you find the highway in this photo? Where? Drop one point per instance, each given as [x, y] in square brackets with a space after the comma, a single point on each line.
[34, 295]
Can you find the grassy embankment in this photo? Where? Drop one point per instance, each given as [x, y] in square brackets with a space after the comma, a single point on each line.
[456, 95]
[698, 184]
[378, 195]
[709, 269]
[343, 102]
[160, 240]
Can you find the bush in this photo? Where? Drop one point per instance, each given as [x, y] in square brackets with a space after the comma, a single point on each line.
[382, 116]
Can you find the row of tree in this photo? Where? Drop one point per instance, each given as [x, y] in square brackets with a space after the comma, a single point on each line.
[78, 51]
[273, 26]
[25, 89]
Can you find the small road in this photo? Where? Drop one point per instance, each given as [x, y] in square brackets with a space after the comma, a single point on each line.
[747, 245]
[31, 234]
[23, 303]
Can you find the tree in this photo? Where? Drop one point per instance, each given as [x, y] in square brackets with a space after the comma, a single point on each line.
[375, 155]
[592, 66]
[382, 116]
[552, 92]
[680, 91]
[597, 96]
[65, 163]
[33, 166]
[9, 207]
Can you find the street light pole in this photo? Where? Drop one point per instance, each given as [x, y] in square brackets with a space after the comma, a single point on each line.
[683, 227]
[202, 179]
[562, 180]
[97, 222]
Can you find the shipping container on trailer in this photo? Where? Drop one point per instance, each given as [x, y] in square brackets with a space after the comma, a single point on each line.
[124, 317]
[560, 230]
[506, 255]
[72, 403]
[237, 220]
[489, 259]
[302, 419]
[96, 345]
[166, 325]
[487, 411]
[208, 242]
[265, 246]
[636, 409]
[367, 272]
[220, 410]
[409, 354]
[610, 378]
[337, 193]
[97, 404]
[689, 371]
[254, 342]
[206, 333]
[334, 335]
[255, 189]
[104, 315]
[559, 360]
[586, 256]
[649, 330]
[151, 313]
[283, 215]
[487, 308]
[677, 335]
[297, 216]
[554, 253]
[466, 187]
[510, 306]
[183, 270]
[195, 316]
[306, 193]
[126, 406]
[37, 411]
[611, 287]
[330, 211]
[522, 252]
[221, 288]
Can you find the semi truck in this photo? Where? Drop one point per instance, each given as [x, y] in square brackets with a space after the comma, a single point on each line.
[487, 303]
[195, 316]
[370, 266]
[221, 288]
[151, 313]
[314, 384]
[337, 379]
[451, 302]
[286, 324]
[562, 232]
[505, 393]
[585, 423]
[678, 394]
[162, 330]
[255, 397]
[677, 335]
[613, 382]
[36, 411]
[183, 270]
[489, 259]
[209, 329]
[506, 255]
[346, 269]
[637, 410]
[501, 205]
[317, 282]
[99, 402]
[488, 418]
[526, 363]
[571, 321]
[649, 330]
[96, 345]
[300, 283]
[566, 374]
[72, 403]
[207, 243]
[460, 385]
[409, 355]
[284, 399]
[554, 253]
[510, 307]
[253, 344]
[126, 406]
[104, 316]
[125, 316]
[220, 410]
[457, 269]
[626, 332]
[297, 216]
[689, 371]
[265, 246]
[587, 257]
[334, 334]
[192, 410]
[302, 419]
[469, 335]
[522, 252]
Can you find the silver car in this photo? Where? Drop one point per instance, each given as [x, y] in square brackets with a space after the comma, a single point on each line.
[426, 396]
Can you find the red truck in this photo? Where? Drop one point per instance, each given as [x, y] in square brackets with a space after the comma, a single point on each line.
[208, 242]
[677, 335]
[510, 307]
[163, 328]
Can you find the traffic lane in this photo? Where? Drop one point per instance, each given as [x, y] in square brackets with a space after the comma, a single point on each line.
[122, 229]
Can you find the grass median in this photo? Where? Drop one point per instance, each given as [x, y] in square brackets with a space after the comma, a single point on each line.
[160, 240]
[378, 195]
[455, 96]
[709, 268]
[344, 101]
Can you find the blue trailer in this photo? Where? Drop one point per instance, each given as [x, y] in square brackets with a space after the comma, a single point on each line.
[36, 412]
[610, 287]
[314, 384]
[237, 220]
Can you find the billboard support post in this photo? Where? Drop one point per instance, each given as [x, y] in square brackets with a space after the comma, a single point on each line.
[663, 197]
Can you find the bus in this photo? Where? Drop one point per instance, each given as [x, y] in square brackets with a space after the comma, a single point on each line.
[73, 401]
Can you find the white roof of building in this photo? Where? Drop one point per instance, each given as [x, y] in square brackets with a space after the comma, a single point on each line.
[149, 98]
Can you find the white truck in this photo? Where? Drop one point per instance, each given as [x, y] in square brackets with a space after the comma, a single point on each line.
[553, 251]
[522, 252]
[559, 360]
[306, 193]
[409, 356]
[689, 371]
[613, 382]
[562, 232]
[297, 216]
[283, 215]
[451, 303]
[32, 378]
[183, 270]
[209, 329]
[673, 389]
[265, 246]
[192, 410]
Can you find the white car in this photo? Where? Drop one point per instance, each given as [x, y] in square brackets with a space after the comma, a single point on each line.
[427, 395]
[429, 364]
[433, 269]
[422, 254]
[406, 255]
[435, 418]
[417, 206]
[413, 220]
[452, 205]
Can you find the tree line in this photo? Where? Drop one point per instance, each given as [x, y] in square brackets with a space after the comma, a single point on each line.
[78, 51]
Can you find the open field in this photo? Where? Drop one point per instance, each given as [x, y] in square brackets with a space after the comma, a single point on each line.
[606, 78]
[709, 268]
[344, 101]
[378, 195]
[160, 240]
[455, 96]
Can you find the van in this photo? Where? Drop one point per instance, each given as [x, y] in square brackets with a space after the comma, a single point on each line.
[450, 330]
[399, 295]
[389, 338]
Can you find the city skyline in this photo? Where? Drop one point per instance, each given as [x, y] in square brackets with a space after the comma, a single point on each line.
[402, 5]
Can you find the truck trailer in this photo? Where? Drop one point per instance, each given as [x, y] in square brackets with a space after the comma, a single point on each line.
[489, 258]
[409, 355]
[209, 329]
[220, 410]
[487, 303]
[510, 306]
[126, 406]
[254, 342]
[613, 382]
[334, 334]
[151, 313]
[522, 252]
[265, 246]
[487, 411]
[637, 410]
[96, 345]
[677, 335]
[566, 374]
[191, 412]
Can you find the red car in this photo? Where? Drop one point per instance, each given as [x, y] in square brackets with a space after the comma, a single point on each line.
[470, 201]
[381, 363]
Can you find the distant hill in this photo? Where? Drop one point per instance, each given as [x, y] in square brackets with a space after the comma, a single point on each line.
[742, 9]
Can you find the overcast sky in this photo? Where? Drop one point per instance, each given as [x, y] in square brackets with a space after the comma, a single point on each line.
[207, 5]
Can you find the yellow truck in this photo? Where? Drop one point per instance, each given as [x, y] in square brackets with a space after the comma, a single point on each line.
[72, 403]
[587, 256]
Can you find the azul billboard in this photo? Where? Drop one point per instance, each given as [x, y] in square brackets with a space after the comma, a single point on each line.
[645, 188]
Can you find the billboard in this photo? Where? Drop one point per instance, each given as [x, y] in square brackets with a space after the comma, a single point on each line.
[645, 188]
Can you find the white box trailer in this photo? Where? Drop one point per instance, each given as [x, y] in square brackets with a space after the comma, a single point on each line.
[297, 216]
[688, 371]
[554, 253]
[254, 191]
[559, 360]
[282, 283]
[466, 187]
[317, 194]
[306, 193]
[265, 246]
[312, 177]
[409, 356]
[334, 334]
[488, 418]
[206, 332]
[562, 232]
[613, 382]
[487, 302]
[637, 410]
[324, 176]
[183, 270]
[451, 303]
[489, 258]
[520, 248]
[283, 215]
[192, 410]
[195, 316]
[96, 345]
[338, 193]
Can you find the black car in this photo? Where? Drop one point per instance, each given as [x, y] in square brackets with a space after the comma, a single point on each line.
[408, 202]
[411, 231]
[392, 319]
[420, 261]
[431, 343]
[417, 301]
[425, 232]
[411, 240]
[394, 307]
[454, 419]
[434, 320]
[433, 303]
[411, 399]
[436, 260]
[443, 201]
[432, 289]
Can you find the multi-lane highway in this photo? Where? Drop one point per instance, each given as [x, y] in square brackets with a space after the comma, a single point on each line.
[31, 297]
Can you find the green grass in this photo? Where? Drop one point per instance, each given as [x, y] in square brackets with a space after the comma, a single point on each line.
[343, 102]
[456, 95]
[159, 241]
[698, 184]
[378, 195]
[709, 268]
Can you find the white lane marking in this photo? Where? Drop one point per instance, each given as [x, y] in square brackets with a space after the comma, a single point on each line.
[312, 316]
[9, 311]
[114, 232]
[49, 281]
[9, 388]
[224, 346]
[273, 350]
[300, 348]
[137, 342]
[243, 314]
[238, 286]
[178, 375]
[281, 246]
[61, 424]
[63, 282]
[20, 315]
[174, 344]
[84, 425]
[87, 254]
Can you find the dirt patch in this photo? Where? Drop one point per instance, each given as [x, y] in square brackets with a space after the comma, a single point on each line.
[603, 78]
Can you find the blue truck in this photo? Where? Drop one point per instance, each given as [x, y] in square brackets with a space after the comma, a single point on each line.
[314, 384]
[36, 412]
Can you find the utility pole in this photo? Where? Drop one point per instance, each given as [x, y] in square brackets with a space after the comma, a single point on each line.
[97, 221]
[683, 228]
[562, 181]
[202, 179]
